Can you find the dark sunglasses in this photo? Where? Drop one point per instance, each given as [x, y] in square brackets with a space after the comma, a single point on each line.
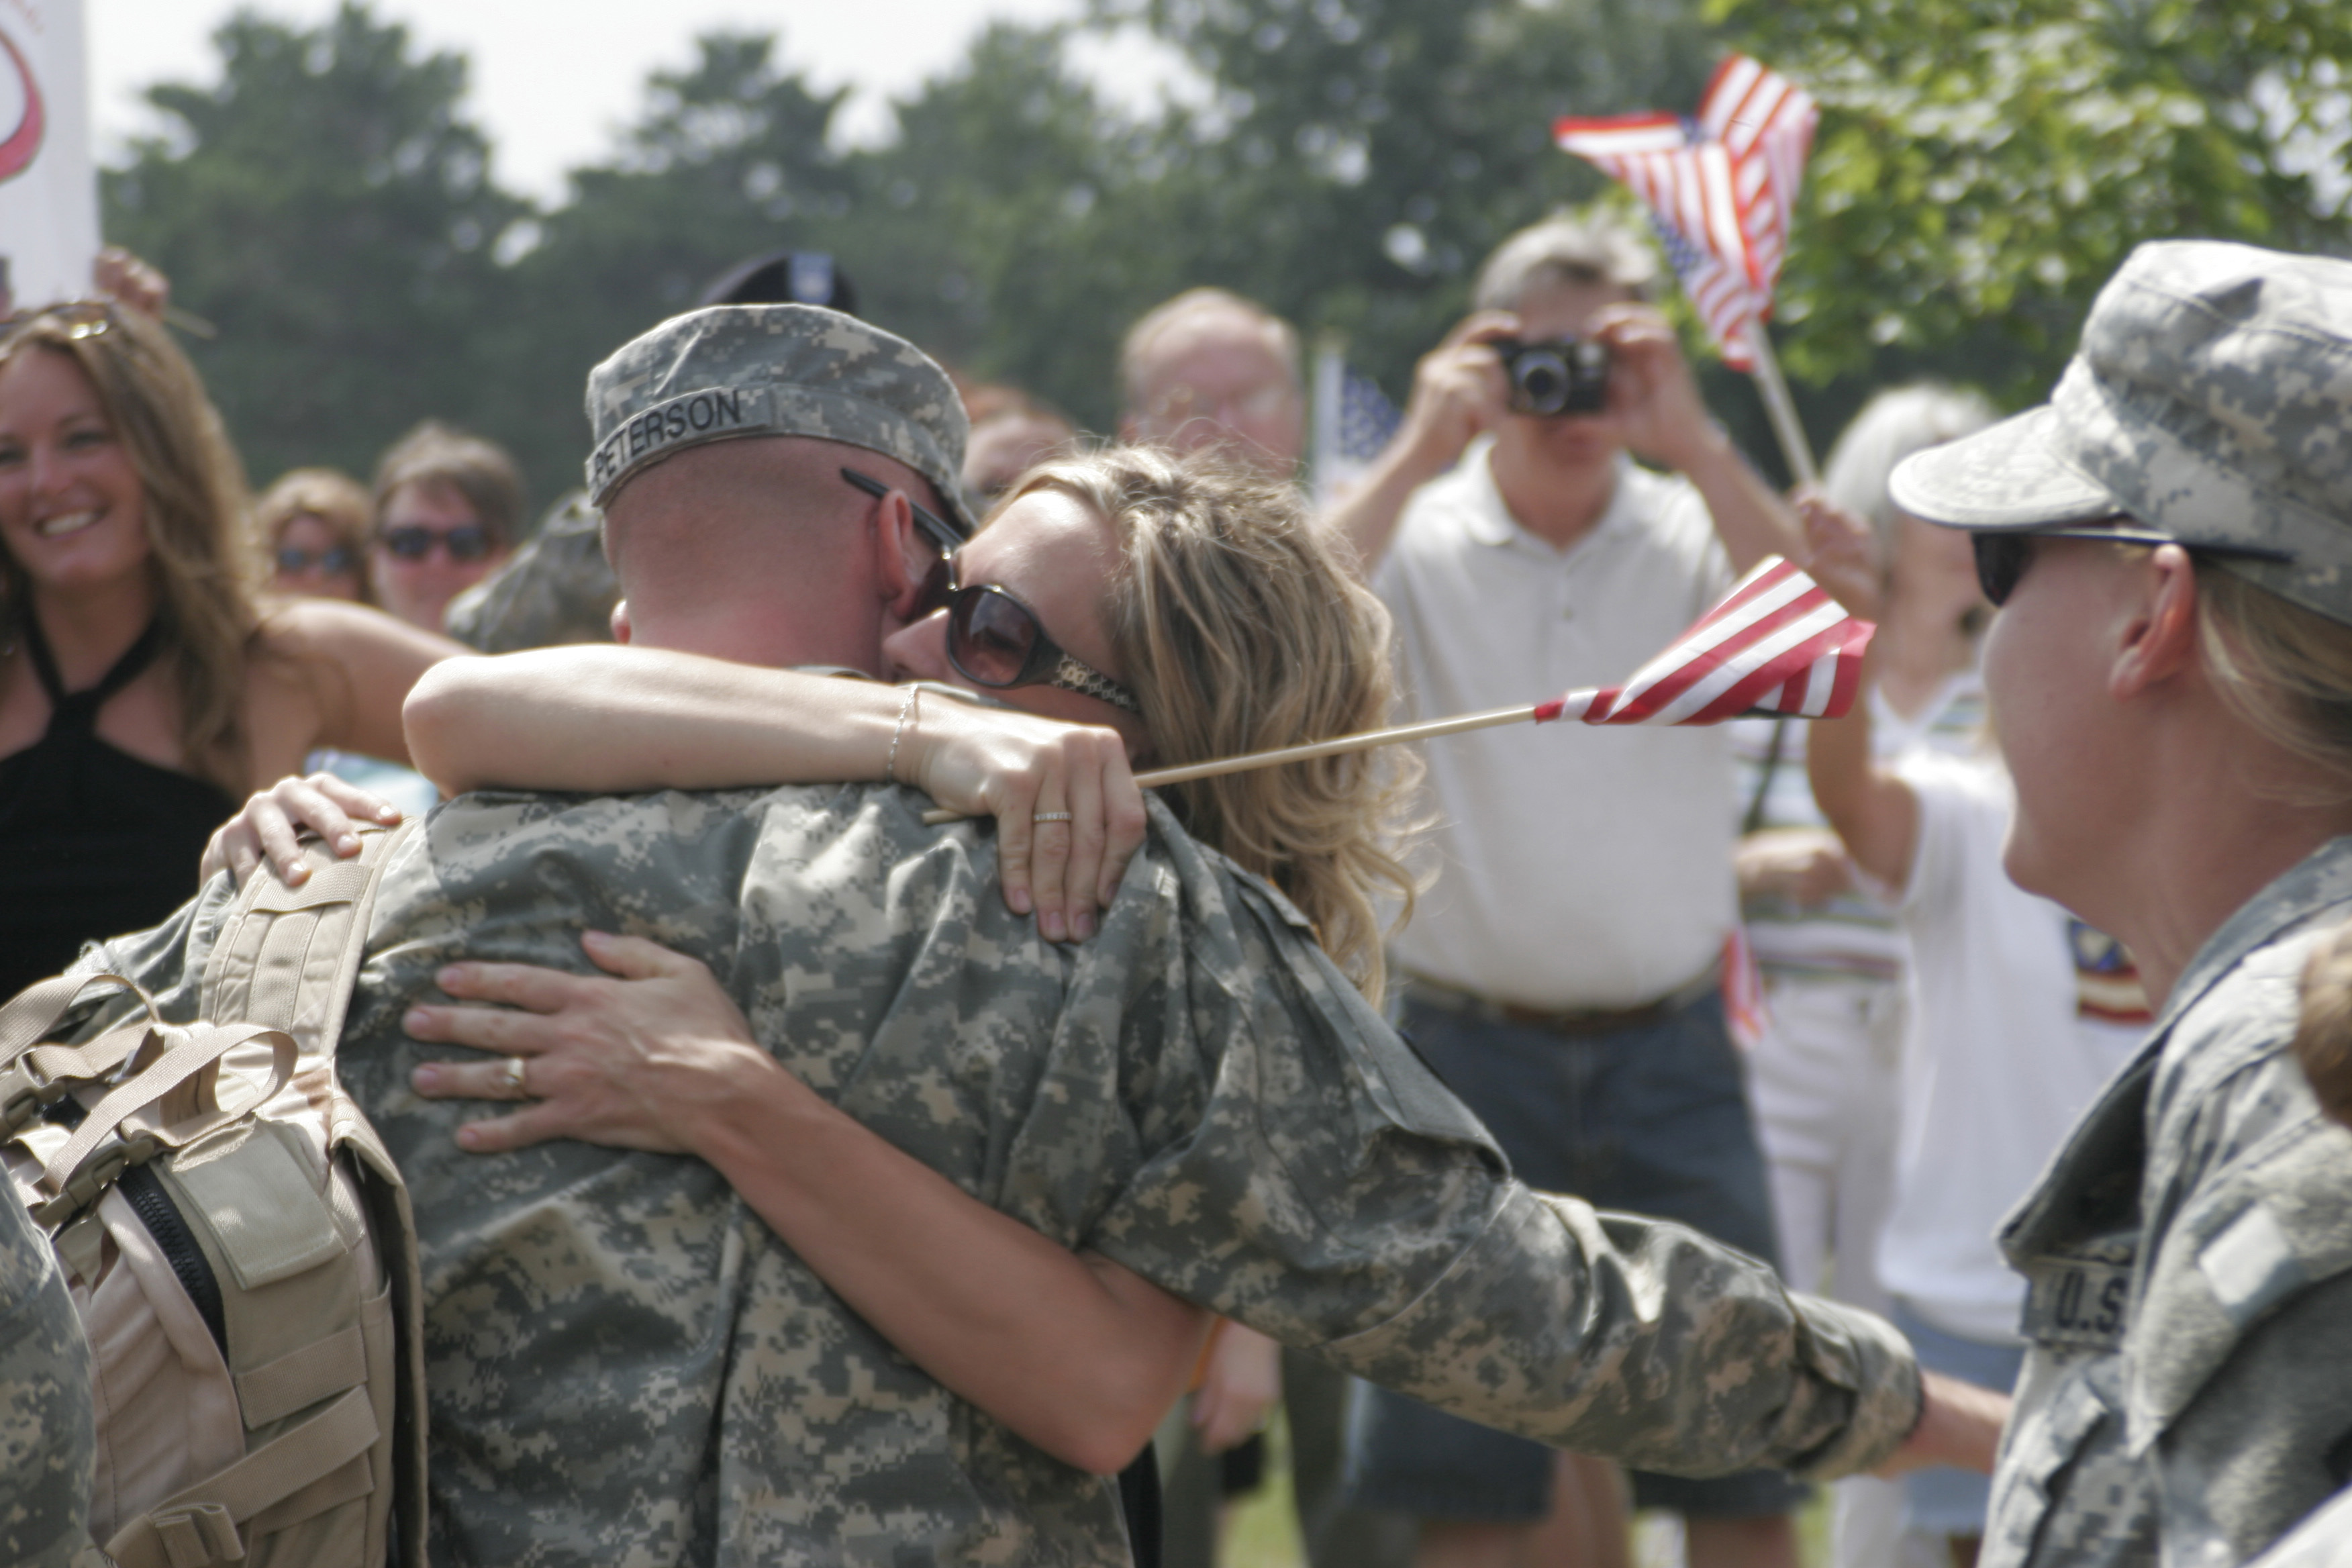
[995, 641]
[334, 561]
[2002, 558]
[471, 543]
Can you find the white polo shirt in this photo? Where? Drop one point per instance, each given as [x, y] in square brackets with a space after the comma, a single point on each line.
[1577, 866]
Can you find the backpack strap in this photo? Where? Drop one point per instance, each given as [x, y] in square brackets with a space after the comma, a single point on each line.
[287, 958]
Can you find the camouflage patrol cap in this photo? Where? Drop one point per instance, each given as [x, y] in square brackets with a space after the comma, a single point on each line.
[732, 370]
[2211, 401]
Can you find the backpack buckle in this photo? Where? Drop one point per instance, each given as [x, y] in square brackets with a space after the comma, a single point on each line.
[197, 1535]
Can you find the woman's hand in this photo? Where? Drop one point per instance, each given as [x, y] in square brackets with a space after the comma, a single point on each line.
[638, 1062]
[1014, 766]
[1842, 555]
[1243, 1380]
[271, 823]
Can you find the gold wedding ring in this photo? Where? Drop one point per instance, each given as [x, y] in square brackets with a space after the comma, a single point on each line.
[510, 1072]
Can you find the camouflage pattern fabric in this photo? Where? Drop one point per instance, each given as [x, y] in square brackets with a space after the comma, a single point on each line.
[2187, 1388]
[733, 370]
[2209, 401]
[627, 1366]
[47, 1444]
[558, 588]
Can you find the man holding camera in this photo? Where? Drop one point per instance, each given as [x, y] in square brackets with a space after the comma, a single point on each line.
[1562, 974]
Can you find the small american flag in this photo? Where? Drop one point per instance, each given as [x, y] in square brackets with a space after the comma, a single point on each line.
[1354, 421]
[1777, 644]
[1719, 187]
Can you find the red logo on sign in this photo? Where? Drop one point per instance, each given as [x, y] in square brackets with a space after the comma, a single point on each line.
[25, 139]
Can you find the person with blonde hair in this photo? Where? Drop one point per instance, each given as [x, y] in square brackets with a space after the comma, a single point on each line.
[961, 1188]
[2170, 675]
[1210, 369]
[313, 526]
[144, 686]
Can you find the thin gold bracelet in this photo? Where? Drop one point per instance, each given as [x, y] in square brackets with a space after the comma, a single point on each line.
[897, 732]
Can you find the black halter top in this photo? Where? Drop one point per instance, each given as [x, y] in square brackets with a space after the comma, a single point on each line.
[93, 841]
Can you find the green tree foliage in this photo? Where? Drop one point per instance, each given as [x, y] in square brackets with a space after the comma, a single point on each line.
[330, 211]
[1984, 163]
[1363, 156]
[727, 160]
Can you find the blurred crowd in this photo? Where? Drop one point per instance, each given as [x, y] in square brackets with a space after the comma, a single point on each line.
[1770, 982]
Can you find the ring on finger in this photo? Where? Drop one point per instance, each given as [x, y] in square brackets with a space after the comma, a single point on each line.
[1053, 816]
[510, 1073]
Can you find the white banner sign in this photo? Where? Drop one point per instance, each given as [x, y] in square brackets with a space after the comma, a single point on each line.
[48, 185]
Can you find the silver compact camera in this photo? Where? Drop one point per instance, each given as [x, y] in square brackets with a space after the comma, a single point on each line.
[1566, 375]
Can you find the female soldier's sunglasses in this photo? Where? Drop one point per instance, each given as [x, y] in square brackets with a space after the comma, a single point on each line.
[2002, 558]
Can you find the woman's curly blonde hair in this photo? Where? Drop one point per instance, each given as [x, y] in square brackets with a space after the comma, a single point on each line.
[1236, 619]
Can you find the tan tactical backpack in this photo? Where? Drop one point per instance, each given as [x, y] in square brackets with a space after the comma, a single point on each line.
[237, 1241]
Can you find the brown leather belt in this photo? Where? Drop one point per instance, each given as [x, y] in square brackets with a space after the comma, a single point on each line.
[1571, 1021]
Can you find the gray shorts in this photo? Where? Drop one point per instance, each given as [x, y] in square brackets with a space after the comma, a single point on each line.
[1653, 1120]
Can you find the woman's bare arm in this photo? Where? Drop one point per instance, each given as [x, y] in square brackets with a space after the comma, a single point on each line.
[1868, 806]
[1070, 1350]
[360, 665]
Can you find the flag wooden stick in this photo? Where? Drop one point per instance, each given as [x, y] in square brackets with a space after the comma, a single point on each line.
[1777, 404]
[1357, 742]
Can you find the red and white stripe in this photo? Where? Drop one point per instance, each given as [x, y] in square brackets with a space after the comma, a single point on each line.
[1766, 122]
[1725, 190]
[1777, 644]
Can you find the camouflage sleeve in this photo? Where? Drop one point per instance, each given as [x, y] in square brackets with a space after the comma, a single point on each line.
[2239, 1355]
[1335, 1195]
[558, 588]
[46, 1437]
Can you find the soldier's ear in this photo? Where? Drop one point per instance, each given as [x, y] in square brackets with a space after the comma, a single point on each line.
[622, 630]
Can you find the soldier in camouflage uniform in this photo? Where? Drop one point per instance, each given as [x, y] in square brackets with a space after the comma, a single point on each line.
[46, 1438]
[627, 1365]
[2186, 1394]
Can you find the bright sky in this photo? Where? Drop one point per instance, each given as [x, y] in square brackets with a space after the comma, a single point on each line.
[552, 79]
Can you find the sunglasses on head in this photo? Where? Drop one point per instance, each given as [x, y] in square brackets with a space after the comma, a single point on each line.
[80, 317]
[334, 561]
[2002, 557]
[996, 641]
[471, 543]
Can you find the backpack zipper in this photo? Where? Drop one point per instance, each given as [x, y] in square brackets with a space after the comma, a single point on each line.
[144, 1190]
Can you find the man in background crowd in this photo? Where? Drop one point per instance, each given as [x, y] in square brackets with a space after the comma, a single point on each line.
[1212, 368]
[446, 508]
[1564, 972]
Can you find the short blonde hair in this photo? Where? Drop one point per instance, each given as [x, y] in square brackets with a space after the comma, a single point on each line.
[1135, 353]
[2286, 670]
[1241, 627]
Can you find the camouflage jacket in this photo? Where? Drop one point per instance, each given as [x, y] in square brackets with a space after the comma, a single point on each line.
[558, 588]
[627, 1366]
[47, 1445]
[2187, 1393]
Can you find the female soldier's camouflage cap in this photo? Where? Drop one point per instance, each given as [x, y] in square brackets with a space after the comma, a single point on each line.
[733, 370]
[2211, 401]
